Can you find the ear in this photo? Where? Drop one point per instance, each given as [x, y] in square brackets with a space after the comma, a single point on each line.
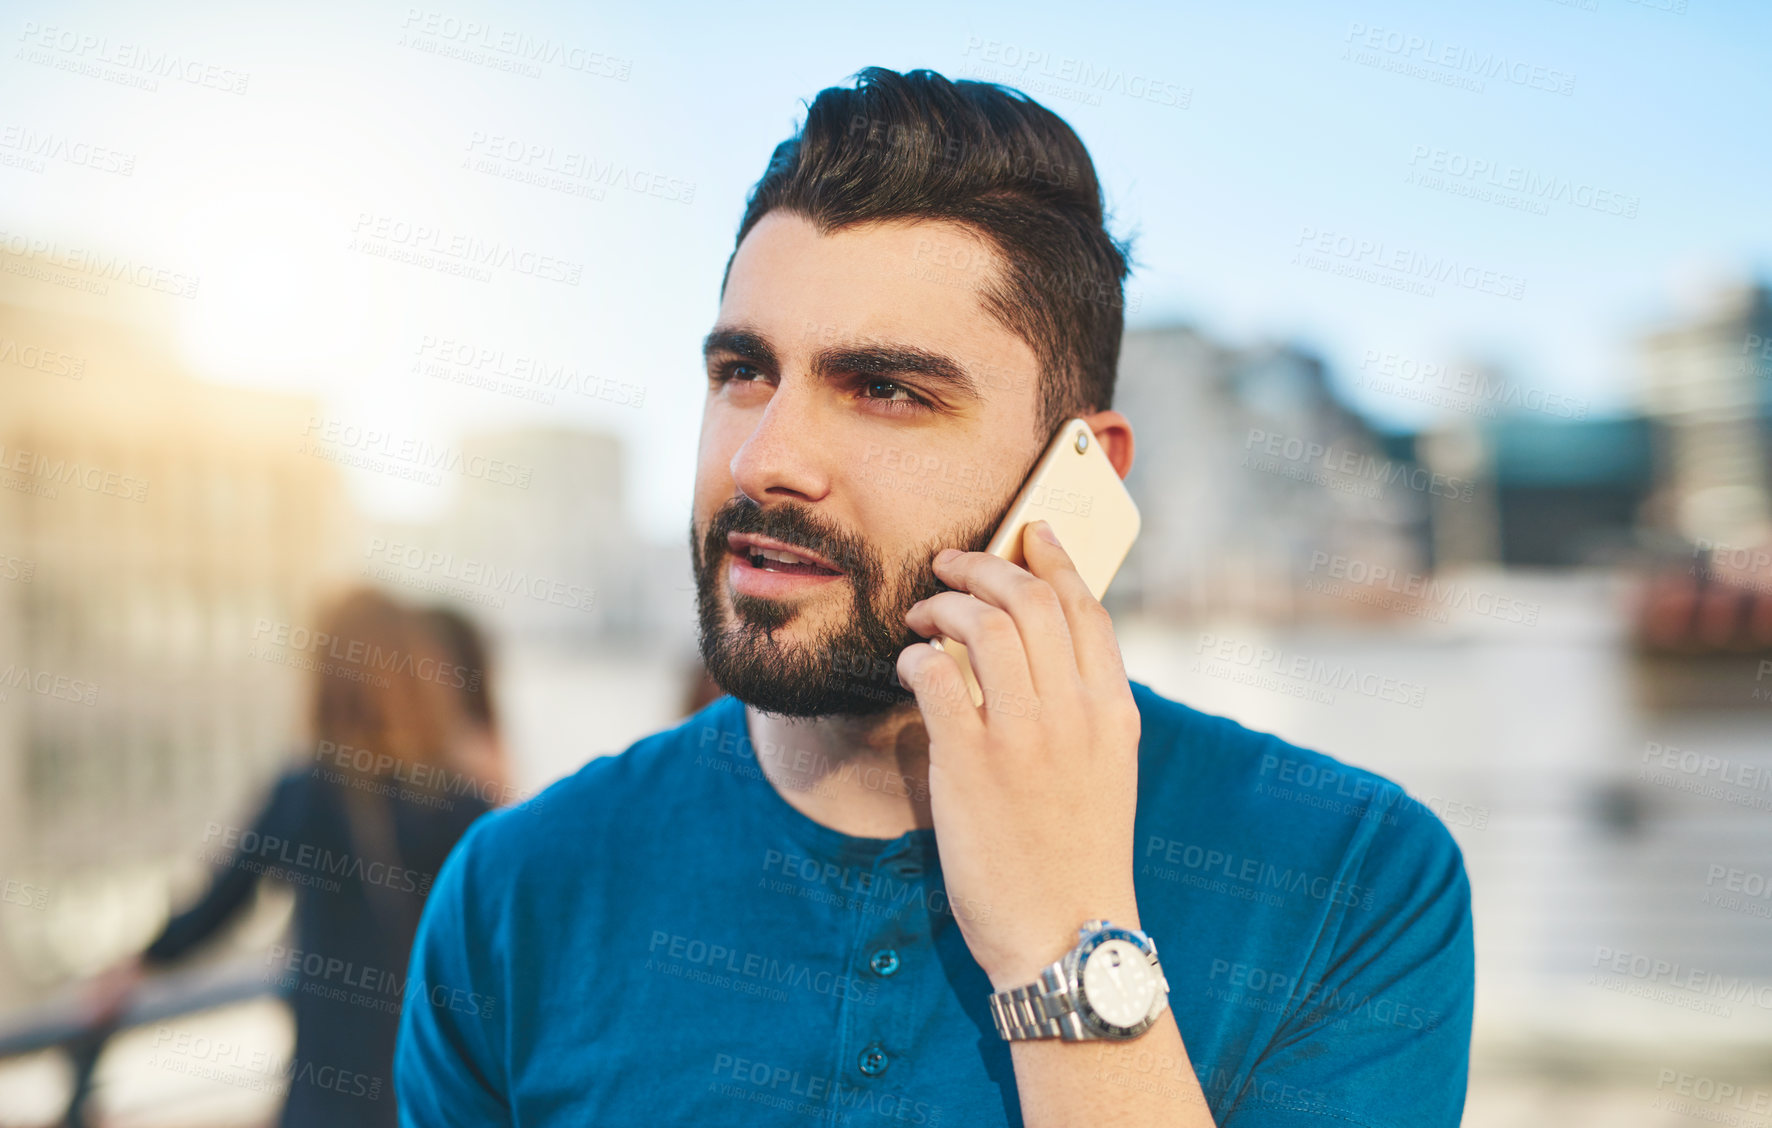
[1114, 432]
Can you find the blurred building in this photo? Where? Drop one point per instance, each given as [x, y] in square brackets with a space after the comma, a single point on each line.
[1709, 390]
[1246, 466]
[545, 553]
[150, 528]
[1703, 629]
[1548, 493]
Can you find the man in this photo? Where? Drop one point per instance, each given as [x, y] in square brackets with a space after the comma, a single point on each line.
[800, 904]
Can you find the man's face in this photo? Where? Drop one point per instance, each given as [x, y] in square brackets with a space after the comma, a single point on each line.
[864, 409]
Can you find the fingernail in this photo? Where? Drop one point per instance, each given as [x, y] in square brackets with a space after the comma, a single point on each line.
[1043, 530]
[946, 555]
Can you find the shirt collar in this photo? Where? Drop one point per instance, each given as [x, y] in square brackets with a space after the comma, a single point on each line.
[826, 843]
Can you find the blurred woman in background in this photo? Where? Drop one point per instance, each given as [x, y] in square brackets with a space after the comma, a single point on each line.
[403, 754]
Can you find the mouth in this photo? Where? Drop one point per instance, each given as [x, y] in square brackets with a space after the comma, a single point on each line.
[765, 554]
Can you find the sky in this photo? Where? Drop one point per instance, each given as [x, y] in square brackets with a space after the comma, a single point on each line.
[1592, 169]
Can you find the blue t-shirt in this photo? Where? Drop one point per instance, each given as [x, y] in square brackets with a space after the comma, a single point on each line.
[661, 938]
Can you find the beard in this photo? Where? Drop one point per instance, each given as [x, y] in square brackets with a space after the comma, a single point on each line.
[849, 669]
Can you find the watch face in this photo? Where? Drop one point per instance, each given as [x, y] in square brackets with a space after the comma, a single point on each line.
[1120, 983]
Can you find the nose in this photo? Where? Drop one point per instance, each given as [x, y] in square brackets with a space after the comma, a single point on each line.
[782, 459]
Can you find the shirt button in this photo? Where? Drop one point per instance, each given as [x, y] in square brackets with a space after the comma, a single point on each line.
[885, 962]
[874, 1061]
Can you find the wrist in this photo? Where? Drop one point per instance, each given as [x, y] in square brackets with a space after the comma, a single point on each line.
[1024, 964]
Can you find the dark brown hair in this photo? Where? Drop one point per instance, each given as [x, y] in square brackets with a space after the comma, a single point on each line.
[918, 146]
[466, 646]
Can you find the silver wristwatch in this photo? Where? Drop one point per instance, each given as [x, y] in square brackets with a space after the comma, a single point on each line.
[1108, 987]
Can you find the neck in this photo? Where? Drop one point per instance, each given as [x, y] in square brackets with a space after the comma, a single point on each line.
[865, 776]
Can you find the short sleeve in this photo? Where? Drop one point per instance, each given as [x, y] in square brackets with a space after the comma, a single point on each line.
[448, 1065]
[1379, 1036]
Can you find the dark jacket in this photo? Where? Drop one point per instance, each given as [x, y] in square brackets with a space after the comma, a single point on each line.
[360, 854]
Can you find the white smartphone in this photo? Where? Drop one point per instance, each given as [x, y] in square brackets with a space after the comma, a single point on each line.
[1075, 489]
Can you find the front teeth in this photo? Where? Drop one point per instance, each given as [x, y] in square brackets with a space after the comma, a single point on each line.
[784, 557]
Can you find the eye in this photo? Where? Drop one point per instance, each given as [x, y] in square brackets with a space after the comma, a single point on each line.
[734, 370]
[896, 396]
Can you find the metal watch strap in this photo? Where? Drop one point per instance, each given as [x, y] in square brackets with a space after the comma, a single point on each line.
[1041, 1009]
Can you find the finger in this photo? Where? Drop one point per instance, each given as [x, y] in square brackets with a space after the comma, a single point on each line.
[1032, 605]
[993, 646]
[949, 715]
[1097, 647]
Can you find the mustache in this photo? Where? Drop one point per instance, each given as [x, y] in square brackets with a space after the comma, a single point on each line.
[791, 524]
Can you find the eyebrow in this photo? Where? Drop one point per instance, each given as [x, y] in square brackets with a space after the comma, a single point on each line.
[880, 360]
[740, 343]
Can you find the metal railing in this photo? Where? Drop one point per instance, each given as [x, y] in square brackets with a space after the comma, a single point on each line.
[61, 1024]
